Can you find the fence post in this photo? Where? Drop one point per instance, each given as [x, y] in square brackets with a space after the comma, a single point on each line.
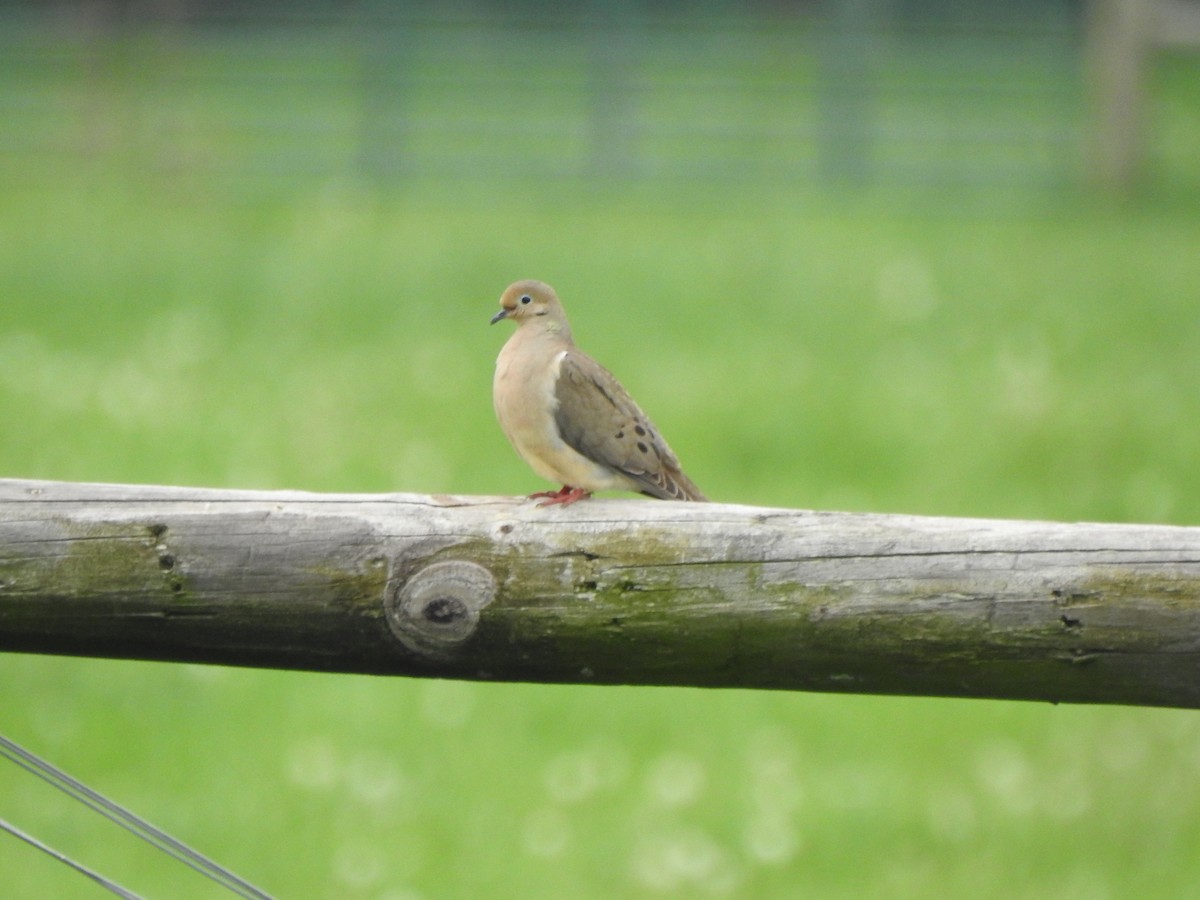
[1118, 44]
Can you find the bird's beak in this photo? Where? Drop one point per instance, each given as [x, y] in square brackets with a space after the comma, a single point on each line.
[498, 316]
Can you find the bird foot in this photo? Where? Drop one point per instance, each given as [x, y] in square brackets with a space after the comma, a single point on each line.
[564, 496]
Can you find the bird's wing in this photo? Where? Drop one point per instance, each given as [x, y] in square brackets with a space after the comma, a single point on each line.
[598, 418]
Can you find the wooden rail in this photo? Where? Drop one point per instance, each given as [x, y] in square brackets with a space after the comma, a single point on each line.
[604, 591]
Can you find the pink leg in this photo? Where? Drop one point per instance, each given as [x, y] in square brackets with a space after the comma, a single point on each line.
[562, 491]
[563, 497]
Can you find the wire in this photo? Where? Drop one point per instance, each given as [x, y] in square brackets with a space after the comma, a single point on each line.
[63, 858]
[131, 822]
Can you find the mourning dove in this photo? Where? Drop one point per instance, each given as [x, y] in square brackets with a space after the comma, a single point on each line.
[567, 416]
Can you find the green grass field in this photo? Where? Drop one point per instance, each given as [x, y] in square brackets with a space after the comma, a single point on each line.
[1016, 356]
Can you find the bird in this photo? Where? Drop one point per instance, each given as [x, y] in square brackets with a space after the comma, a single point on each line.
[567, 416]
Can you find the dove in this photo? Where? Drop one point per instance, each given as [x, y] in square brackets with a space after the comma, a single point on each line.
[567, 416]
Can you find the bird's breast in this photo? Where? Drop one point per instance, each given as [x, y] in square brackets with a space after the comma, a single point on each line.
[524, 394]
[524, 398]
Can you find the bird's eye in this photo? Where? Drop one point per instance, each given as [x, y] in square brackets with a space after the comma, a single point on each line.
[525, 298]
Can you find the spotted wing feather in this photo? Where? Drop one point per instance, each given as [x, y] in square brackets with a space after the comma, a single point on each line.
[598, 418]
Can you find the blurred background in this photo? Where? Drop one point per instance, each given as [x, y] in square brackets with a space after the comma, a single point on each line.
[925, 257]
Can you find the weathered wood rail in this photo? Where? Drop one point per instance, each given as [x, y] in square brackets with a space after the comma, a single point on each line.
[606, 591]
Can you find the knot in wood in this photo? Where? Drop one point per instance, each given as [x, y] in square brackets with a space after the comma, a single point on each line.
[438, 607]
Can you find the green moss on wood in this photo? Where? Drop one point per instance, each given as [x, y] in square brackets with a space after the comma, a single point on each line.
[81, 561]
[356, 586]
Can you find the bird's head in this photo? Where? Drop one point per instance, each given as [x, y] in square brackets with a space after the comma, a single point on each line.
[531, 301]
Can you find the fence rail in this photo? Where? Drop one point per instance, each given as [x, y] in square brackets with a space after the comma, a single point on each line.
[608, 591]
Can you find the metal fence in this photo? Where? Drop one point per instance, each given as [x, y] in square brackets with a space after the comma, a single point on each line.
[861, 91]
